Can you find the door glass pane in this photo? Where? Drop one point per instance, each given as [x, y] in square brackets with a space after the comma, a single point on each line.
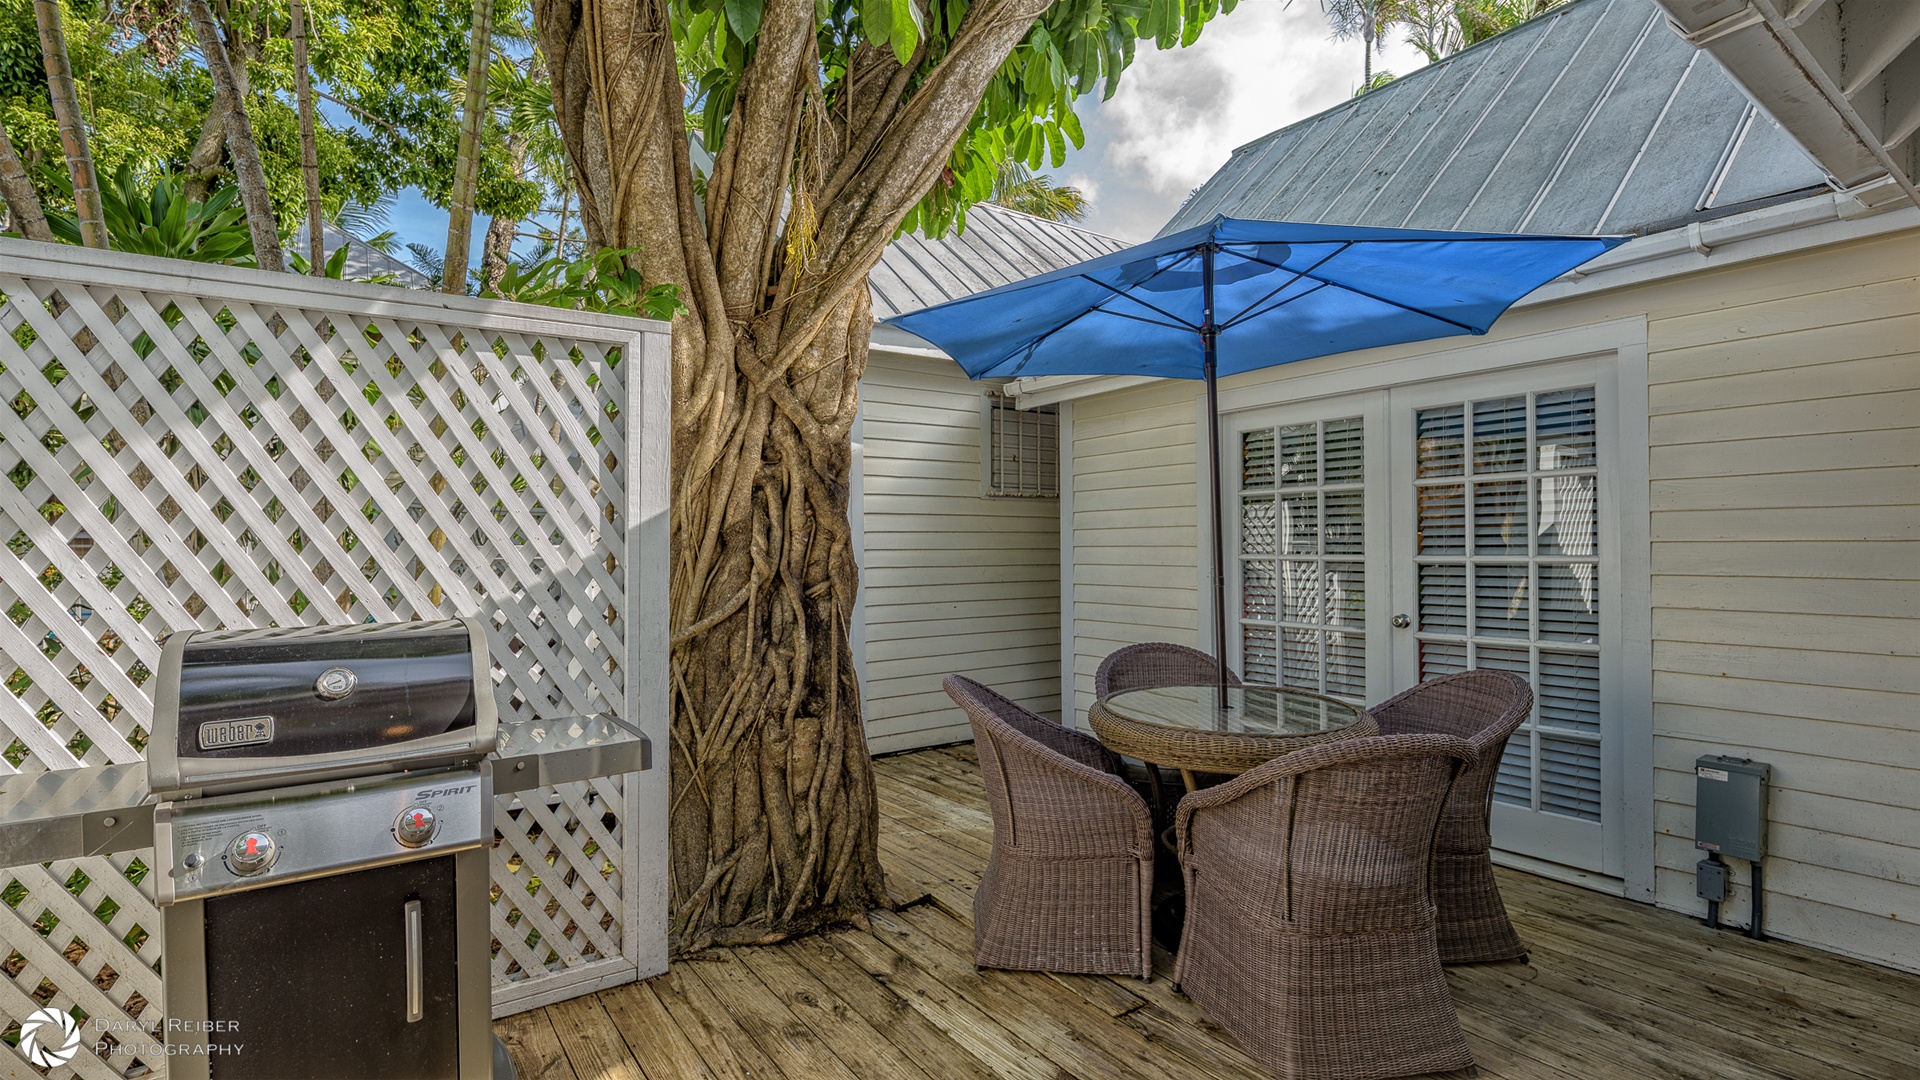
[1440, 436]
[1345, 451]
[1302, 615]
[1443, 520]
[1500, 435]
[1443, 599]
[1256, 526]
[1508, 576]
[1256, 459]
[1500, 518]
[1501, 606]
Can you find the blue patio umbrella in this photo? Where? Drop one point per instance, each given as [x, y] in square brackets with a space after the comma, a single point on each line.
[1233, 296]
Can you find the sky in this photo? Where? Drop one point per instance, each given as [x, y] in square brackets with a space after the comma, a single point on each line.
[1176, 118]
[1179, 114]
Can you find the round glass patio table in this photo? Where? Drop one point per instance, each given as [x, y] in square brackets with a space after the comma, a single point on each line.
[1183, 727]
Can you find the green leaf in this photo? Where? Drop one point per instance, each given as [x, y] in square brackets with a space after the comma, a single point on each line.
[743, 16]
[1056, 145]
[907, 30]
[876, 20]
[1070, 123]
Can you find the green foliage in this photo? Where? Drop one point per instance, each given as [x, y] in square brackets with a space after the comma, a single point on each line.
[1018, 188]
[142, 114]
[391, 65]
[601, 282]
[159, 220]
[1026, 115]
[1380, 79]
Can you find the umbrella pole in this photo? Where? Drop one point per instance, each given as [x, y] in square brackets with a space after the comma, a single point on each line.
[1209, 335]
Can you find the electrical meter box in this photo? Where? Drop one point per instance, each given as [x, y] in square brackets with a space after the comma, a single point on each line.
[1730, 806]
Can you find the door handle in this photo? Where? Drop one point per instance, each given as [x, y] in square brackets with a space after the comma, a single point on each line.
[1401, 622]
[416, 971]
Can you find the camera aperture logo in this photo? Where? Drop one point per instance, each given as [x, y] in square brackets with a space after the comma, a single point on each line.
[49, 1038]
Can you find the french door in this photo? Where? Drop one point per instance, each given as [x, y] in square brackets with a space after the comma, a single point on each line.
[1391, 536]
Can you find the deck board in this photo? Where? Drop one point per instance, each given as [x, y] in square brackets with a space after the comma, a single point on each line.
[1615, 990]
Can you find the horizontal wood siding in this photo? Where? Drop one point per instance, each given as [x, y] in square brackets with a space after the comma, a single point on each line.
[1785, 500]
[1134, 534]
[951, 581]
[1784, 503]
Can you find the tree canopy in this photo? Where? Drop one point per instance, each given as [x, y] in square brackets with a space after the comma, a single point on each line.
[387, 72]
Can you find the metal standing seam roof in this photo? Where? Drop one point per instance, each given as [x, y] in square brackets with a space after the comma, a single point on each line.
[999, 246]
[1593, 118]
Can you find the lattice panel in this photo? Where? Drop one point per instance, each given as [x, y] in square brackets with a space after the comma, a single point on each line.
[559, 851]
[176, 459]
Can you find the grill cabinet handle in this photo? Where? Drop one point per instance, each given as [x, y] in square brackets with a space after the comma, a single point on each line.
[416, 973]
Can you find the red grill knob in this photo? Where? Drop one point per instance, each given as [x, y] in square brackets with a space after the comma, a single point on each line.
[415, 826]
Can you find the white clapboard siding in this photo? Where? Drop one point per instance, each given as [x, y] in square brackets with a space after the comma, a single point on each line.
[951, 581]
[1135, 544]
[1784, 503]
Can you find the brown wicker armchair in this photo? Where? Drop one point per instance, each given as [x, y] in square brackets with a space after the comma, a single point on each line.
[1156, 663]
[1483, 707]
[1068, 885]
[1309, 932]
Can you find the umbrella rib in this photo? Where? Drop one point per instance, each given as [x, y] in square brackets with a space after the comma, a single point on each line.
[1357, 292]
[1180, 323]
[1250, 313]
[1297, 275]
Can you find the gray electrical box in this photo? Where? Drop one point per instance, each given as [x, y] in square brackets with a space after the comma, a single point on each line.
[1730, 806]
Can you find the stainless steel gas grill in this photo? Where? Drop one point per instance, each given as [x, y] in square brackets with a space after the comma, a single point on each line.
[319, 800]
[319, 850]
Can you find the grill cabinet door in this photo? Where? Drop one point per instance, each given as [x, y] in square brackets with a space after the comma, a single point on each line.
[315, 975]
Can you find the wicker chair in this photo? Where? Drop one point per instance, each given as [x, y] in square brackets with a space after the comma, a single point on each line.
[1483, 707]
[1156, 663]
[1068, 885]
[1309, 933]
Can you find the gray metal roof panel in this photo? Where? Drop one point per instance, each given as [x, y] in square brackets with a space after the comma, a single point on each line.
[1592, 117]
[998, 247]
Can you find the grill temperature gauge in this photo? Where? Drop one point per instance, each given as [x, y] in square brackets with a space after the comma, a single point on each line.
[414, 827]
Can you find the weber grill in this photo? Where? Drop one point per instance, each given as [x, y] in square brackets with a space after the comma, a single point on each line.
[319, 803]
[320, 850]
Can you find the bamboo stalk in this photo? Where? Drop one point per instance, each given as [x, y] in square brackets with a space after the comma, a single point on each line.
[73, 130]
[309, 148]
[466, 168]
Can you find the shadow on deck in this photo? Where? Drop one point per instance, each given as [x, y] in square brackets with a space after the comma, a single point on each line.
[1614, 989]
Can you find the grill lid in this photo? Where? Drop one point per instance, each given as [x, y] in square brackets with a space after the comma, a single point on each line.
[241, 709]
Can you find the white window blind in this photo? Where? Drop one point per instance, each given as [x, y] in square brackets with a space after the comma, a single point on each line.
[1021, 448]
[1507, 527]
[1302, 574]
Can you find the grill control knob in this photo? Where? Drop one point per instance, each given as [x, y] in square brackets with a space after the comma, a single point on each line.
[414, 827]
[251, 853]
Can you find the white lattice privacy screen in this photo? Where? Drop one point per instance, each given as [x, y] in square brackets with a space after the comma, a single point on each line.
[186, 446]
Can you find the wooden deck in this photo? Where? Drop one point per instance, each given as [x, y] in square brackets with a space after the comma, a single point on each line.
[1614, 989]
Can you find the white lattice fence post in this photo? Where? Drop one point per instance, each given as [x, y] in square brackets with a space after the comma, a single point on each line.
[195, 446]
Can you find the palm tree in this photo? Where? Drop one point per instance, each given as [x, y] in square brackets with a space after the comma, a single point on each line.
[73, 131]
[1018, 188]
[247, 171]
[1366, 19]
[466, 167]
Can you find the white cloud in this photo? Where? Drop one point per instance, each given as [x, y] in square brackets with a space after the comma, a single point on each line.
[1180, 113]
